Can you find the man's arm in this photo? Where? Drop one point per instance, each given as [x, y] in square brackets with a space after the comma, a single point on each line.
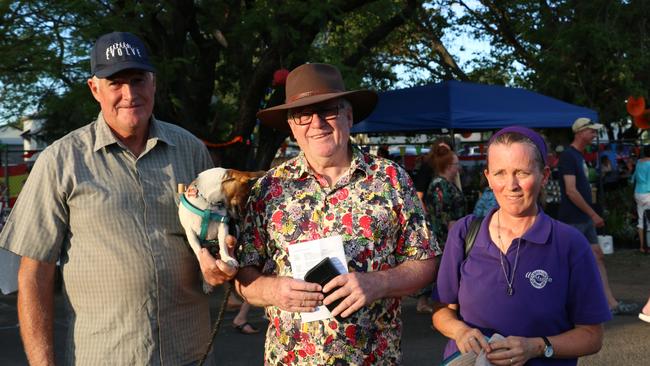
[576, 198]
[36, 310]
[360, 289]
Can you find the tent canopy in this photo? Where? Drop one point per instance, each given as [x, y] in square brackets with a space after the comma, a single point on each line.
[467, 106]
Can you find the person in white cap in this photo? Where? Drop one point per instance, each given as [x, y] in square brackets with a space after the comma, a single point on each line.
[102, 201]
[576, 204]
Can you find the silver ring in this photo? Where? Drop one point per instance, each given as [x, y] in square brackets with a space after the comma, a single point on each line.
[511, 361]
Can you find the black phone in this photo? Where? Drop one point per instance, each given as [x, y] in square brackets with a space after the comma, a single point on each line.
[322, 273]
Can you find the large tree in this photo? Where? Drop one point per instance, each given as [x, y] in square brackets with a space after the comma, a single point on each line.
[593, 53]
[215, 59]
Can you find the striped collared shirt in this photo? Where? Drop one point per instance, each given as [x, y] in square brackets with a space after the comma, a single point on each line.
[132, 284]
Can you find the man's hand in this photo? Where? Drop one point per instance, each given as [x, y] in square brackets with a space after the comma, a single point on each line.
[356, 289]
[215, 271]
[290, 294]
[598, 221]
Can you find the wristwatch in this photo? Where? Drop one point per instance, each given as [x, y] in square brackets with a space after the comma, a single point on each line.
[548, 348]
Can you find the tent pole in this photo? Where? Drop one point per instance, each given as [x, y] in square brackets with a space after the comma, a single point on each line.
[453, 141]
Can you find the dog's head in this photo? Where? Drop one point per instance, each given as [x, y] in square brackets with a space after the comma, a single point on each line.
[227, 188]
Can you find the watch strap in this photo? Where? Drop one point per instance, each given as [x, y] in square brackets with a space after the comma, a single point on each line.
[548, 346]
[546, 341]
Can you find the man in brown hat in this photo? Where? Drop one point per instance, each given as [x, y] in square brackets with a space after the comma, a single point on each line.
[333, 189]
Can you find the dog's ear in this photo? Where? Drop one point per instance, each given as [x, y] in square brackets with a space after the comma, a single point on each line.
[236, 185]
[253, 177]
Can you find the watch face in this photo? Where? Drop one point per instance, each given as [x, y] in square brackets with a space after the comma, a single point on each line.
[548, 351]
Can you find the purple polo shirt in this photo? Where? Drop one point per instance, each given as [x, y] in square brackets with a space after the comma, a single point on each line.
[556, 283]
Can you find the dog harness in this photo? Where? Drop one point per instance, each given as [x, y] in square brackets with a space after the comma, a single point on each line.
[206, 216]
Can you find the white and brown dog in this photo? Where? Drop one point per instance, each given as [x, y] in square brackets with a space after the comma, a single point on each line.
[209, 203]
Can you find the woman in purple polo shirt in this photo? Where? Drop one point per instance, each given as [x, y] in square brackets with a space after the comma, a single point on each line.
[529, 278]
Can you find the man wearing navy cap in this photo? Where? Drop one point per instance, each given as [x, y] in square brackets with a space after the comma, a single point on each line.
[102, 201]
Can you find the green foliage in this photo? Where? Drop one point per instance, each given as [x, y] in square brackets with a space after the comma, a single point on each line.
[214, 59]
[620, 215]
[592, 53]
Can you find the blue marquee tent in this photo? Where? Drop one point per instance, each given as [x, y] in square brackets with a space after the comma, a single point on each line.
[467, 106]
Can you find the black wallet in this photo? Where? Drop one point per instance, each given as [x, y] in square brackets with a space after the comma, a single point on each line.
[322, 273]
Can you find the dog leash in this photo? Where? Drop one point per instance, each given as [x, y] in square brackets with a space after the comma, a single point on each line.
[217, 325]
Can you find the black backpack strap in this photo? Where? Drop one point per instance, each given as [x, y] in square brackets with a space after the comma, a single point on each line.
[470, 237]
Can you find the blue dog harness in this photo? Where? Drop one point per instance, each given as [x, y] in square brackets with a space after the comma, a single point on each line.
[206, 217]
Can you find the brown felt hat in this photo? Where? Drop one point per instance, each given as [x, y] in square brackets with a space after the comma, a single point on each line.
[315, 83]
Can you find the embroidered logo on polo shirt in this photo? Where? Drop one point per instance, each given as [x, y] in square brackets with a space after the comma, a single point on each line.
[538, 278]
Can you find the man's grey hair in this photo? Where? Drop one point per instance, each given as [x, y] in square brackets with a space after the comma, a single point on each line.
[150, 76]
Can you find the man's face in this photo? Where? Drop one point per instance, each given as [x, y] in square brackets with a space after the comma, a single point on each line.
[126, 99]
[325, 138]
[588, 135]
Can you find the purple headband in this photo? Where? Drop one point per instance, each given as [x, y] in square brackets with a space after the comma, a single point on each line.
[530, 134]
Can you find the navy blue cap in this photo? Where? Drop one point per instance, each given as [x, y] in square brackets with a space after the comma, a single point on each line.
[117, 51]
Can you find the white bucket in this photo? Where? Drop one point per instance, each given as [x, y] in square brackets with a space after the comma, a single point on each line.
[606, 244]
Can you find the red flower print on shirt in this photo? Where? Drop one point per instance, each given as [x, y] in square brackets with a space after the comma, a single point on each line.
[291, 356]
[276, 325]
[276, 190]
[342, 194]
[351, 332]
[277, 219]
[310, 348]
[334, 325]
[365, 222]
[392, 173]
[347, 222]
[329, 339]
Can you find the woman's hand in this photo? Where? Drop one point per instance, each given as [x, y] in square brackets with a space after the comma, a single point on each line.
[514, 350]
[471, 339]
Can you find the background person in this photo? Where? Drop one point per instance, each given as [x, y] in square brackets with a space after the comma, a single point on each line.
[422, 180]
[444, 200]
[641, 179]
[332, 188]
[527, 276]
[425, 172]
[102, 200]
[575, 204]
[486, 202]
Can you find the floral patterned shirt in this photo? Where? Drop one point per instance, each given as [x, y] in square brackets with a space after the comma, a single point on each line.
[445, 203]
[375, 209]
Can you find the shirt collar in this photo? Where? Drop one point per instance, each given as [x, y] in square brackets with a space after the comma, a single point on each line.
[538, 233]
[104, 135]
[360, 161]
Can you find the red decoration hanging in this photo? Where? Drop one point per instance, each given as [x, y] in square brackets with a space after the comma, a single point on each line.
[235, 140]
[280, 77]
[642, 121]
[635, 106]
